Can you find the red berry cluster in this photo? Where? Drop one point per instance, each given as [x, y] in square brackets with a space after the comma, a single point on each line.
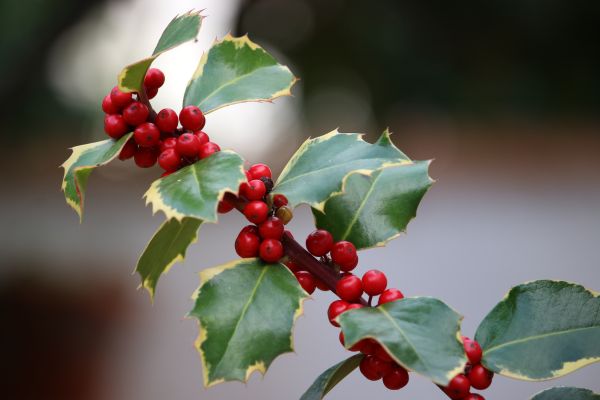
[475, 375]
[156, 137]
[263, 238]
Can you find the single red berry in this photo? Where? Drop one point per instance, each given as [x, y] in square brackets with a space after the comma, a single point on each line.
[349, 288]
[202, 137]
[335, 309]
[169, 160]
[168, 143]
[342, 340]
[167, 120]
[146, 135]
[458, 388]
[389, 295]
[474, 396]
[120, 99]
[154, 78]
[145, 157]
[208, 149]
[472, 350]
[191, 118]
[306, 280]
[319, 242]
[188, 145]
[253, 229]
[115, 126]
[272, 228]
[343, 253]
[382, 354]
[369, 347]
[383, 367]
[280, 200]
[258, 171]
[480, 377]
[374, 282]
[254, 190]
[271, 250]
[151, 92]
[247, 245]
[224, 207]
[356, 347]
[128, 150]
[107, 105]
[321, 285]
[354, 306]
[135, 113]
[396, 379]
[291, 264]
[256, 211]
[369, 367]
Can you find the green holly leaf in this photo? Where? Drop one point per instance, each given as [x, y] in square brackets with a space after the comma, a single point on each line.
[236, 70]
[167, 246]
[181, 29]
[246, 311]
[421, 333]
[566, 393]
[541, 330]
[331, 377]
[375, 207]
[317, 168]
[80, 165]
[195, 191]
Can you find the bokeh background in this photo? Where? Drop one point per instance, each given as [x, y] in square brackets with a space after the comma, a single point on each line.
[504, 95]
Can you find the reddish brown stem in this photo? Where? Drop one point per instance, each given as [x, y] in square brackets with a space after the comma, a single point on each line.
[143, 98]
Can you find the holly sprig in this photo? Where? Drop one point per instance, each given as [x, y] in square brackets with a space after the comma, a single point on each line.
[362, 195]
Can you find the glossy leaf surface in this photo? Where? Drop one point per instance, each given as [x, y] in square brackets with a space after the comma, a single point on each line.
[331, 377]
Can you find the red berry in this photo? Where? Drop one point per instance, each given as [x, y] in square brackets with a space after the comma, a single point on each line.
[306, 280]
[207, 149]
[396, 379]
[120, 99]
[280, 200]
[151, 92]
[135, 113]
[474, 396]
[256, 211]
[472, 350]
[271, 250]
[188, 145]
[349, 288]
[374, 282]
[356, 347]
[166, 120]
[369, 347]
[146, 134]
[254, 190]
[389, 295]
[154, 78]
[115, 126]
[354, 306]
[247, 244]
[166, 173]
[319, 242]
[293, 266]
[224, 207]
[369, 367]
[107, 105]
[128, 150]
[258, 171]
[169, 160]
[458, 388]
[480, 377]
[168, 143]
[145, 157]
[253, 229]
[383, 355]
[321, 285]
[202, 137]
[272, 228]
[191, 118]
[335, 309]
[343, 253]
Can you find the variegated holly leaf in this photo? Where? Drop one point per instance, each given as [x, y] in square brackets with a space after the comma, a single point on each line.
[246, 311]
[420, 333]
[80, 165]
[566, 393]
[330, 378]
[317, 168]
[181, 29]
[167, 246]
[195, 191]
[541, 330]
[236, 70]
[375, 207]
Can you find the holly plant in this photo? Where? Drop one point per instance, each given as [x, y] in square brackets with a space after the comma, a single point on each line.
[362, 195]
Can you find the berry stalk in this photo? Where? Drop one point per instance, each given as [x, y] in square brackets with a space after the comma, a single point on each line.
[143, 98]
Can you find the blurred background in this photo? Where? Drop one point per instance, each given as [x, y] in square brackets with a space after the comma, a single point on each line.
[504, 95]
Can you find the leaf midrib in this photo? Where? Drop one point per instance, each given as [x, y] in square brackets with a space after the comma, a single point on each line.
[537, 337]
[359, 210]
